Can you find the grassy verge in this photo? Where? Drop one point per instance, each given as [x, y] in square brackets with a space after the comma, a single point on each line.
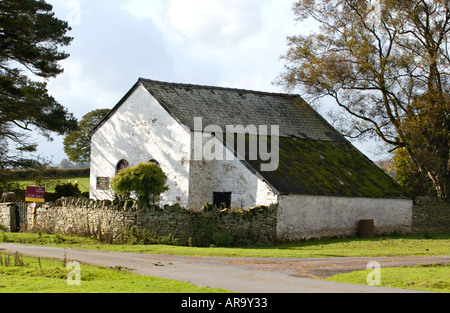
[435, 278]
[32, 275]
[347, 247]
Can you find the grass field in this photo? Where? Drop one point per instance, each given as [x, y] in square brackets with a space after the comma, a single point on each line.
[435, 278]
[421, 278]
[33, 275]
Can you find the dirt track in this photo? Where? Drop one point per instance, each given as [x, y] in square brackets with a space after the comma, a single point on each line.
[327, 267]
[249, 275]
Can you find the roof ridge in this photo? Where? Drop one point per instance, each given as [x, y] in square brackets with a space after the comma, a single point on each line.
[141, 79]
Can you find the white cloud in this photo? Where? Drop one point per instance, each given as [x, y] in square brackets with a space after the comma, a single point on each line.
[221, 23]
[80, 91]
[234, 43]
[218, 22]
[229, 43]
[73, 8]
[152, 9]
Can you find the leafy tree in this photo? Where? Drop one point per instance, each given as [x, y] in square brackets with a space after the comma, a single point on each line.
[66, 164]
[386, 66]
[409, 176]
[146, 181]
[77, 144]
[30, 36]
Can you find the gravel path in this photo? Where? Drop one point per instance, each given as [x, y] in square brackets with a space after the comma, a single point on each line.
[249, 275]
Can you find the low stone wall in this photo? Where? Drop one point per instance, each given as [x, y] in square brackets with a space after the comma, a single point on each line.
[5, 216]
[431, 215]
[114, 221]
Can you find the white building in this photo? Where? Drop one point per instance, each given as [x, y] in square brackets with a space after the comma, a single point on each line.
[323, 185]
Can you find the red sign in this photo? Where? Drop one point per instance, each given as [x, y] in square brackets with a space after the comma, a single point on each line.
[35, 194]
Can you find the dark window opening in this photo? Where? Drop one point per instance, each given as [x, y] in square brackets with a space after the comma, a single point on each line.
[154, 162]
[122, 165]
[222, 199]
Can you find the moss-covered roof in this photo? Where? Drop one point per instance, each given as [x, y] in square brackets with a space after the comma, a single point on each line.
[323, 168]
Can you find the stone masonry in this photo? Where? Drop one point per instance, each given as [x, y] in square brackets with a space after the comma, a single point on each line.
[6, 215]
[113, 219]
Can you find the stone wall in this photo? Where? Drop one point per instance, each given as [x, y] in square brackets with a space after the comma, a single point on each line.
[114, 220]
[5, 216]
[431, 215]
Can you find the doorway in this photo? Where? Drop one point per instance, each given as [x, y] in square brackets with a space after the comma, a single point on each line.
[222, 200]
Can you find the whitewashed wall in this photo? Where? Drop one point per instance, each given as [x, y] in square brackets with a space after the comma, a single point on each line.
[227, 175]
[141, 130]
[301, 217]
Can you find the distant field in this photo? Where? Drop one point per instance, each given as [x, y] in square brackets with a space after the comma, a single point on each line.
[83, 183]
[50, 178]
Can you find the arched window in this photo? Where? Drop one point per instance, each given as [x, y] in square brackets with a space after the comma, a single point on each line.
[122, 165]
[154, 162]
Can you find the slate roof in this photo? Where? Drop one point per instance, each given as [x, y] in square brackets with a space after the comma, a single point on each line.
[315, 159]
[225, 106]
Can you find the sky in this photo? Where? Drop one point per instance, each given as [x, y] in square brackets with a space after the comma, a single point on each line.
[226, 43]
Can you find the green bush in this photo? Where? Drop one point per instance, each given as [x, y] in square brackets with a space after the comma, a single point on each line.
[146, 181]
[168, 240]
[138, 236]
[67, 190]
[202, 227]
[141, 236]
[427, 234]
[12, 187]
[223, 238]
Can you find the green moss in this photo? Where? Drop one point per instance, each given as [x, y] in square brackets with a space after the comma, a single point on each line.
[309, 167]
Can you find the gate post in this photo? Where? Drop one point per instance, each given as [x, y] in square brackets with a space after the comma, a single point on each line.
[13, 217]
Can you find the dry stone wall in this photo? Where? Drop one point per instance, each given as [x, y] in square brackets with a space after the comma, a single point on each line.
[114, 220]
[6, 215]
[431, 216]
